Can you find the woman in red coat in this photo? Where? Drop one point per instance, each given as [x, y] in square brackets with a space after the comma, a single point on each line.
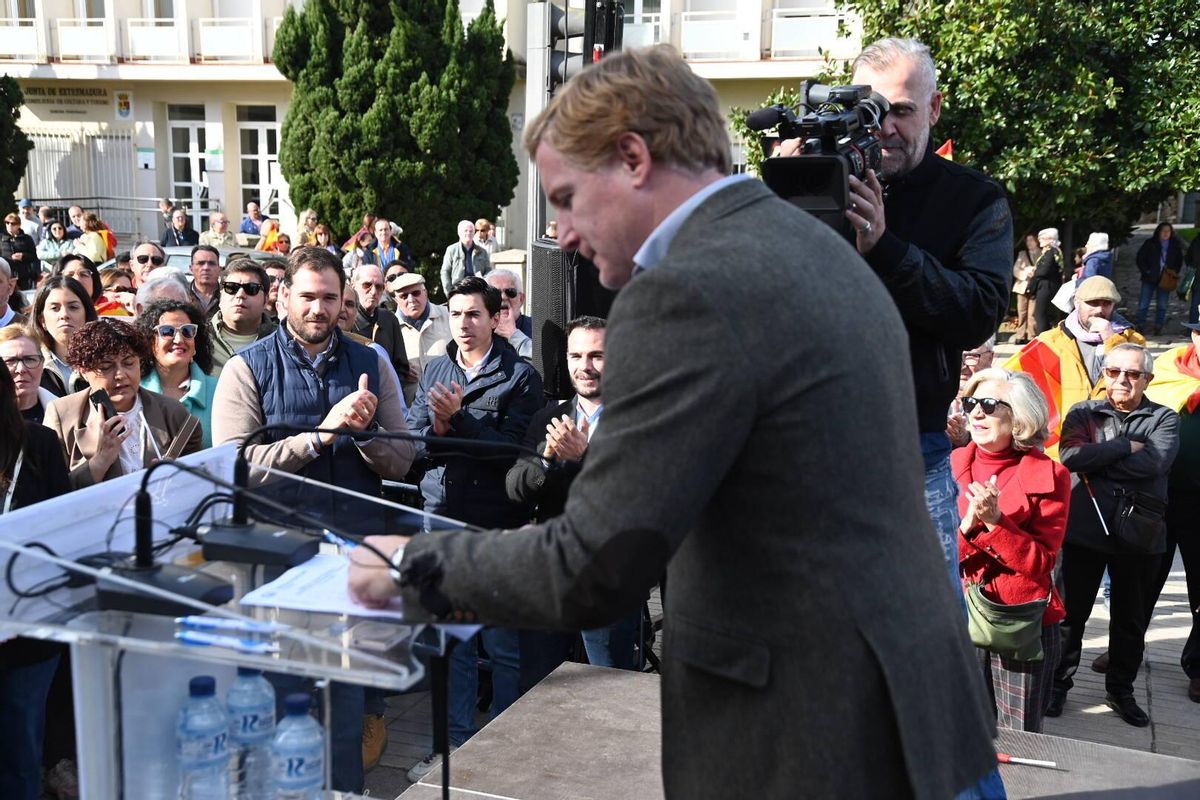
[1014, 505]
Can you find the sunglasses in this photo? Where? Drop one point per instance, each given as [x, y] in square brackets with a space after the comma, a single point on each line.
[231, 288]
[1112, 373]
[988, 404]
[187, 331]
[120, 290]
[408, 294]
[509, 292]
[392, 278]
[155, 260]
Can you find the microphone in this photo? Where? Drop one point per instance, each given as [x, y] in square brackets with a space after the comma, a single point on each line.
[168, 577]
[765, 118]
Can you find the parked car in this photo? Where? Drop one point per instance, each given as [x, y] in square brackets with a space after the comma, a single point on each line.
[181, 257]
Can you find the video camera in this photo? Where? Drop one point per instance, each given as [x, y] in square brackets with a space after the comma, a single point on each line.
[839, 138]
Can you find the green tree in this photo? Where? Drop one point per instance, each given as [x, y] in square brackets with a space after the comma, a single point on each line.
[397, 111]
[1084, 111]
[14, 144]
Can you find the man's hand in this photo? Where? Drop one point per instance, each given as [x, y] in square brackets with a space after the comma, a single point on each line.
[866, 211]
[354, 411]
[17, 256]
[414, 372]
[1135, 447]
[564, 440]
[956, 429]
[371, 583]
[789, 147]
[444, 404]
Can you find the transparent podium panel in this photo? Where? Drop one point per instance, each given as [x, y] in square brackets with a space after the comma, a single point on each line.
[68, 578]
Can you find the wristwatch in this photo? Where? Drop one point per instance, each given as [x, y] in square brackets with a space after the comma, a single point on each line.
[395, 560]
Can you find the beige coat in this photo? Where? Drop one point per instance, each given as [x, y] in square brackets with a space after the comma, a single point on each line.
[77, 423]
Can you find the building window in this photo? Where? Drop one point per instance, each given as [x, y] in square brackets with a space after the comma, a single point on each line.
[258, 146]
[256, 114]
[189, 182]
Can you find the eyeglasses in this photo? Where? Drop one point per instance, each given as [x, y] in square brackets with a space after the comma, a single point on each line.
[988, 404]
[120, 289]
[367, 286]
[187, 331]
[972, 357]
[406, 295]
[1113, 373]
[30, 362]
[509, 292]
[393, 277]
[11, 222]
[155, 260]
[231, 288]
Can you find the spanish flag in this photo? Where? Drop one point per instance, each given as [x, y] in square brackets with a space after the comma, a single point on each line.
[946, 151]
[1176, 381]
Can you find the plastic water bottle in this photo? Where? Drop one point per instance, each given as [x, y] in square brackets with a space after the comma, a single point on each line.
[251, 705]
[203, 743]
[298, 752]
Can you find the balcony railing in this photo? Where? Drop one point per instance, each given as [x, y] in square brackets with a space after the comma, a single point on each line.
[20, 40]
[797, 33]
[84, 39]
[155, 40]
[227, 40]
[642, 30]
[717, 35]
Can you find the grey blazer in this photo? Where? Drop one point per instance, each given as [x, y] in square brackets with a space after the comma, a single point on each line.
[760, 442]
[454, 267]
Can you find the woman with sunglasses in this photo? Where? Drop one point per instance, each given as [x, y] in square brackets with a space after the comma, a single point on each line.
[61, 309]
[118, 290]
[55, 245]
[146, 427]
[1013, 505]
[182, 358]
[18, 249]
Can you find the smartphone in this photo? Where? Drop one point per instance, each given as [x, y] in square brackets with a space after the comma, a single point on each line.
[100, 397]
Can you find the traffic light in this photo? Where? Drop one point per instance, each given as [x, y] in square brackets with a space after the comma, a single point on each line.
[580, 36]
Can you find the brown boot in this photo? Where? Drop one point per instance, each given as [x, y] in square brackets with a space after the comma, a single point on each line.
[374, 740]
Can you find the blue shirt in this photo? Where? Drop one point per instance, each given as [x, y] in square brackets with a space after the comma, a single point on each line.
[654, 249]
[198, 400]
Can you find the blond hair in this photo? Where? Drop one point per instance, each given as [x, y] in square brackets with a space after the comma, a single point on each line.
[649, 91]
[1030, 414]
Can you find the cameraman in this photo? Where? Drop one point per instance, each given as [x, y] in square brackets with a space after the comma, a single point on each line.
[939, 236]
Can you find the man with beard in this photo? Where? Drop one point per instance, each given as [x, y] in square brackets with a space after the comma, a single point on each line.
[307, 373]
[560, 435]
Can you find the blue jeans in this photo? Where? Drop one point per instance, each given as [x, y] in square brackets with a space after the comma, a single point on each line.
[941, 498]
[614, 645]
[23, 692]
[1161, 298]
[503, 651]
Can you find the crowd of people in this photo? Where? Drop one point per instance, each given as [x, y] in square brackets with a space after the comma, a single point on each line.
[1025, 483]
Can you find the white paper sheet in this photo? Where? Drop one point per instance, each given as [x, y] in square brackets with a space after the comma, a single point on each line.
[319, 584]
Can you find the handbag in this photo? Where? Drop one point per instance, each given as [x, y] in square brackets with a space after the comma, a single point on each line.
[1009, 631]
[1064, 298]
[1140, 521]
[1169, 279]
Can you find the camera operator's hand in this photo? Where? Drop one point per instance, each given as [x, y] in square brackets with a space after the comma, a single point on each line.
[788, 147]
[866, 211]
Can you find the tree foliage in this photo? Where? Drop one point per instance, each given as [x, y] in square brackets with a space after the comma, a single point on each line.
[397, 111]
[1084, 111]
[14, 144]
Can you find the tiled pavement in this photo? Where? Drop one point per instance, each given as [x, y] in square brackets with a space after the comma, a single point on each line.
[1161, 688]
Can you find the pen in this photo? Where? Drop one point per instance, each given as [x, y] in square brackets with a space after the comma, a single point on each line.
[225, 624]
[198, 638]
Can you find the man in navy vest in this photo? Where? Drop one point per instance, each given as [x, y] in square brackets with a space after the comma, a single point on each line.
[307, 373]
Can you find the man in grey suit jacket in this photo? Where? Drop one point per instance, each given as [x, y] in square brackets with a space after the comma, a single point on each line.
[758, 437]
[464, 257]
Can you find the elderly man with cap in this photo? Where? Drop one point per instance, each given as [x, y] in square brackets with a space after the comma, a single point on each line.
[424, 325]
[1066, 360]
[29, 220]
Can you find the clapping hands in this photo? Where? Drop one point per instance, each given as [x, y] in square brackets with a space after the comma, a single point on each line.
[983, 504]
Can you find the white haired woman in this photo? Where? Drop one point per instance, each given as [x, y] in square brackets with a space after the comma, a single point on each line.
[1014, 507]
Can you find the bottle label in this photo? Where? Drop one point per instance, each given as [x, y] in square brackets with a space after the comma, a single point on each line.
[204, 749]
[254, 727]
[300, 770]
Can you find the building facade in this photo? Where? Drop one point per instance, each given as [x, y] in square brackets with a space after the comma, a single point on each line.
[132, 100]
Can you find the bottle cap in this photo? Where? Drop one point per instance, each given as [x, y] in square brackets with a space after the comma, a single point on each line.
[202, 686]
[297, 704]
[249, 672]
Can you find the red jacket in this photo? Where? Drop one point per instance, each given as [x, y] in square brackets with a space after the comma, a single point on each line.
[1015, 560]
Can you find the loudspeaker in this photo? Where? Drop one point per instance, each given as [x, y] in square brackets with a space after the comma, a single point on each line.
[562, 286]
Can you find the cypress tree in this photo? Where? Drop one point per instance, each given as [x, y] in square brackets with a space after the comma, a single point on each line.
[397, 111]
[14, 144]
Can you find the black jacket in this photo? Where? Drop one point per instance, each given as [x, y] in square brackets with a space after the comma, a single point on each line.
[1096, 443]
[540, 488]
[1149, 258]
[385, 331]
[176, 238]
[497, 407]
[27, 268]
[945, 260]
[1050, 266]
